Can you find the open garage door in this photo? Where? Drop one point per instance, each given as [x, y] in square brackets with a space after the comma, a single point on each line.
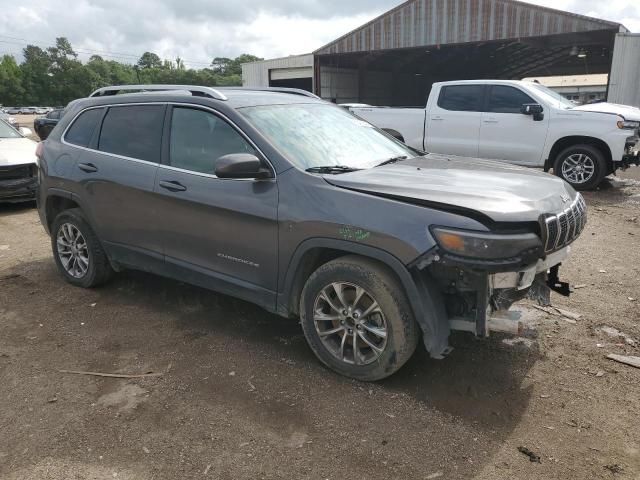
[299, 77]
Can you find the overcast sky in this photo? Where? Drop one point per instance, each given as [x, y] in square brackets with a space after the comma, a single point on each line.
[198, 30]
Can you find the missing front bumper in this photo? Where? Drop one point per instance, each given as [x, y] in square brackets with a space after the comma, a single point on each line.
[496, 293]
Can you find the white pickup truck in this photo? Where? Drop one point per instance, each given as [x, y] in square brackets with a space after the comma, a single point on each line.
[519, 122]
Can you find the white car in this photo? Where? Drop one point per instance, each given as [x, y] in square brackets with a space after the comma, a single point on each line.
[524, 123]
[18, 168]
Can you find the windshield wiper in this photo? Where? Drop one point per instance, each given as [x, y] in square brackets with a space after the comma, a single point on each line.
[335, 169]
[392, 160]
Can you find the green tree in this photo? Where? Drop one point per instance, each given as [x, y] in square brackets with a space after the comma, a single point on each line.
[149, 60]
[11, 90]
[35, 76]
[221, 65]
[55, 76]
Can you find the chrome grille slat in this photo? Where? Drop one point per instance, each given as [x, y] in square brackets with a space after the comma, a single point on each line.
[563, 228]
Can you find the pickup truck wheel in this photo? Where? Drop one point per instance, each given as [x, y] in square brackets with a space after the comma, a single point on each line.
[357, 319]
[582, 166]
[77, 251]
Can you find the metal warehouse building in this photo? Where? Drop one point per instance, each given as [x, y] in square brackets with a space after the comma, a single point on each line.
[291, 72]
[394, 59]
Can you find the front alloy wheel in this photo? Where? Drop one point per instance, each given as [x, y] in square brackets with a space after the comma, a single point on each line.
[356, 318]
[582, 166]
[350, 323]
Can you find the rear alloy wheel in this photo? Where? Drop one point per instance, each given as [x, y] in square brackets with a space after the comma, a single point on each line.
[73, 250]
[357, 320]
[77, 251]
[582, 166]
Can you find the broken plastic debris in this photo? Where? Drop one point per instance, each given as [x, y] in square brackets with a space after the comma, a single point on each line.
[532, 456]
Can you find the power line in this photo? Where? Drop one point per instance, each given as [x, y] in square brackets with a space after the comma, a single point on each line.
[104, 53]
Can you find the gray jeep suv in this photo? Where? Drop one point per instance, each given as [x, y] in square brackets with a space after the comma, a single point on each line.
[292, 203]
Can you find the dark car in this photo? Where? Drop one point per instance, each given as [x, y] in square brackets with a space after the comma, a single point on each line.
[292, 203]
[44, 125]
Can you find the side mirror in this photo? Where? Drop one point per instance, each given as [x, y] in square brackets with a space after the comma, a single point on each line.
[534, 109]
[241, 165]
[25, 131]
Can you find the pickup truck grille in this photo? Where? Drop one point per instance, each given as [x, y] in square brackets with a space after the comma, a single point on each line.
[562, 229]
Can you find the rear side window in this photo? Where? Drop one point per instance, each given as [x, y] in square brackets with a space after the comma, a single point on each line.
[82, 129]
[504, 99]
[461, 98]
[133, 131]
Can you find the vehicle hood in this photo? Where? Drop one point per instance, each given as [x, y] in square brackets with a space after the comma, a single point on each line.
[502, 192]
[626, 111]
[17, 151]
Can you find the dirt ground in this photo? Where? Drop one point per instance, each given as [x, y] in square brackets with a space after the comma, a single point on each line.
[242, 397]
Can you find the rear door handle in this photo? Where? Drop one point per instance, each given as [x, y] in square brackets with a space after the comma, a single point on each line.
[172, 186]
[437, 118]
[88, 167]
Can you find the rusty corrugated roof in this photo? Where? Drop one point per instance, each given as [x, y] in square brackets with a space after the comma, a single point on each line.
[418, 23]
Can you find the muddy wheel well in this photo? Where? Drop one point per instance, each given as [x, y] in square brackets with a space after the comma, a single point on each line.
[56, 205]
[309, 263]
[567, 142]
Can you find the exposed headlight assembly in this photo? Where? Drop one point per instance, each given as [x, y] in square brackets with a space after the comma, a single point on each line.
[628, 124]
[485, 246]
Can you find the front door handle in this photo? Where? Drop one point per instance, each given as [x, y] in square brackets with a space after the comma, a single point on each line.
[172, 186]
[490, 120]
[438, 118]
[88, 167]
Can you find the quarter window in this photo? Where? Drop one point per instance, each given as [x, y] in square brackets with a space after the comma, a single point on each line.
[461, 98]
[199, 138]
[504, 99]
[133, 131]
[82, 129]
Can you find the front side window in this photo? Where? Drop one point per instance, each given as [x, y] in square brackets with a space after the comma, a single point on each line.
[133, 131]
[82, 129]
[461, 98]
[504, 99]
[199, 138]
[316, 135]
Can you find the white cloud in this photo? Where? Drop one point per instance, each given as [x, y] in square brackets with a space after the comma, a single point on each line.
[198, 30]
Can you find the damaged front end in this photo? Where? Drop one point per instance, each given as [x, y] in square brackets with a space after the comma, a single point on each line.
[479, 276]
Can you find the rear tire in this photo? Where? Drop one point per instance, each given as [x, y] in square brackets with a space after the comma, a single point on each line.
[344, 327]
[582, 166]
[77, 251]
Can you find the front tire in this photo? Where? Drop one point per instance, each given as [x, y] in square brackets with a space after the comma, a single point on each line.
[582, 166]
[357, 319]
[77, 251]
